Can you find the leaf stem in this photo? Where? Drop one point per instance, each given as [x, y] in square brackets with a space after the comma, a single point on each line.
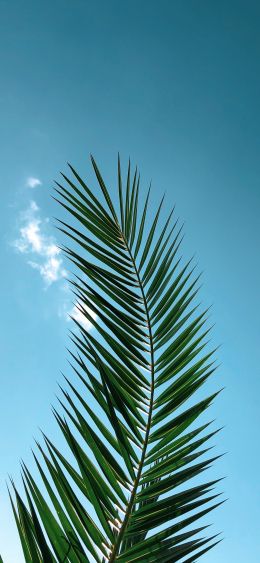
[125, 522]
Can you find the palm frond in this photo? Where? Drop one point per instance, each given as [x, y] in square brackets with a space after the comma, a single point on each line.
[126, 492]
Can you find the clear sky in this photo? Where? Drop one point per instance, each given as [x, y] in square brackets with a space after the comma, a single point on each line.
[175, 85]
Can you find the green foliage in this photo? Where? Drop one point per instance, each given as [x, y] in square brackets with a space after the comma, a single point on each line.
[126, 492]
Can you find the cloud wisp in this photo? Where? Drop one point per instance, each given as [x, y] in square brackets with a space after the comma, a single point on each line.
[32, 182]
[42, 252]
[77, 313]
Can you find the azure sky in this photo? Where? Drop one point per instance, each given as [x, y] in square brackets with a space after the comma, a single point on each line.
[175, 85]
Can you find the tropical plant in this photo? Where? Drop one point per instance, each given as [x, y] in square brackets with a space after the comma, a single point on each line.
[126, 492]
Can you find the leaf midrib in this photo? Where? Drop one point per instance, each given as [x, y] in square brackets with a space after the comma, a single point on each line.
[120, 536]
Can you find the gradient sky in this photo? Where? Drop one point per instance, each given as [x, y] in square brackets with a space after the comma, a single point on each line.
[175, 85]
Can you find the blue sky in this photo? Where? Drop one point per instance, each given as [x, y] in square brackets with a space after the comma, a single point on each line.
[175, 85]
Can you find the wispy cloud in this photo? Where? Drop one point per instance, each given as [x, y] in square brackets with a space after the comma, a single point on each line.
[67, 312]
[32, 182]
[77, 313]
[42, 252]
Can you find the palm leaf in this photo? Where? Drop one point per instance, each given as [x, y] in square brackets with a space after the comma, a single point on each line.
[128, 494]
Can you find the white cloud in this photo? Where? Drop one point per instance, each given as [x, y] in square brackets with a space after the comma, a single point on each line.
[34, 241]
[32, 182]
[43, 255]
[31, 237]
[51, 270]
[77, 313]
[33, 206]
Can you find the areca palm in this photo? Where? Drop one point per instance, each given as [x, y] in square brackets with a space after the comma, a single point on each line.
[127, 491]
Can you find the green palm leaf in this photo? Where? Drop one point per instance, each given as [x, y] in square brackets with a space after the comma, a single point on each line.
[126, 492]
